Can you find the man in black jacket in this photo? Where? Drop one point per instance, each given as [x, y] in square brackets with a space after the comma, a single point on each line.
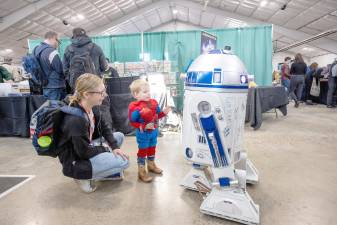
[80, 42]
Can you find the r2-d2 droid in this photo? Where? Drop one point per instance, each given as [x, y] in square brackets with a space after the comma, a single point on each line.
[213, 124]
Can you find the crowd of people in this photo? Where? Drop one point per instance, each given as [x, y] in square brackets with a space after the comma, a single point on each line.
[61, 75]
[298, 79]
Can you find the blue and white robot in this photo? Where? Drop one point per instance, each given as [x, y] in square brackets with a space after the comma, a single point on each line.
[216, 88]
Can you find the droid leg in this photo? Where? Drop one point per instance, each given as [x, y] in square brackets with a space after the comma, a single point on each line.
[252, 173]
[194, 177]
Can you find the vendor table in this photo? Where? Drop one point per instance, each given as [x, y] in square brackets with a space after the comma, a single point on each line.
[323, 95]
[15, 114]
[263, 99]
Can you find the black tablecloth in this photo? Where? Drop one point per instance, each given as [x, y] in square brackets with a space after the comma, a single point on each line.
[120, 98]
[323, 95]
[15, 114]
[263, 99]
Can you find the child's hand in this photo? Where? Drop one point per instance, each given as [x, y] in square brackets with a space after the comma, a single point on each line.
[149, 126]
[167, 110]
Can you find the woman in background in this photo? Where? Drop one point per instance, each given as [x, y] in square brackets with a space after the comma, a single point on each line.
[297, 72]
[309, 77]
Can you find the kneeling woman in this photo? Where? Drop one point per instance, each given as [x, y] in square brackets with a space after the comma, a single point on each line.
[83, 158]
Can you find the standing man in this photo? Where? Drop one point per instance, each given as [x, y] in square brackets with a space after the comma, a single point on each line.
[51, 65]
[83, 56]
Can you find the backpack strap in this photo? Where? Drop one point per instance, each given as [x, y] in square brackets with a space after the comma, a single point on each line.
[38, 57]
[90, 48]
[74, 111]
[71, 48]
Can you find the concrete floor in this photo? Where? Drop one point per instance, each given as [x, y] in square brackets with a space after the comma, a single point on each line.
[296, 156]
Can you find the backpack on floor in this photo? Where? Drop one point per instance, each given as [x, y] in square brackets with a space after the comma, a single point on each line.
[80, 62]
[31, 64]
[45, 126]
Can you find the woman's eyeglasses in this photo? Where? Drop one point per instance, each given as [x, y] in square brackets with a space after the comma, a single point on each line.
[102, 93]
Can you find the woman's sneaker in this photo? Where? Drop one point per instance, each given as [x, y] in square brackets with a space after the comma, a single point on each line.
[87, 186]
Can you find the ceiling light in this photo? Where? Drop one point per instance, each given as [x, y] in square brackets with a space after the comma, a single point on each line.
[174, 11]
[263, 3]
[8, 50]
[307, 49]
[80, 16]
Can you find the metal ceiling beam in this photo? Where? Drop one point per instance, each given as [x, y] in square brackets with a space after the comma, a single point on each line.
[192, 25]
[22, 13]
[308, 40]
[323, 43]
[129, 16]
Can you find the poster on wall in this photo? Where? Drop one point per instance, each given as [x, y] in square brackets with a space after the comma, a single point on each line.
[208, 42]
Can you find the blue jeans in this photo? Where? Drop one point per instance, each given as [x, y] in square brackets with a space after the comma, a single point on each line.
[106, 164]
[286, 83]
[54, 93]
[296, 87]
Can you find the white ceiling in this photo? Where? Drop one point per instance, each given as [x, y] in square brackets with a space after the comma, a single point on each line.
[23, 19]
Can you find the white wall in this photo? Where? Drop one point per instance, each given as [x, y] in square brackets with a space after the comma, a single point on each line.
[175, 26]
[279, 58]
[324, 59]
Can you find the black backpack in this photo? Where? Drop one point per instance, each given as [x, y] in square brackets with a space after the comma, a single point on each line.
[45, 126]
[80, 62]
[31, 64]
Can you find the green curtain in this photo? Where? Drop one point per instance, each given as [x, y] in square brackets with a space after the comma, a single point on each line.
[33, 43]
[105, 43]
[253, 45]
[126, 48]
[183, 47]
[154, 44]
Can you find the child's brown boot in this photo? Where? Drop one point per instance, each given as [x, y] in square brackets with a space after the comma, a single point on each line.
[143, 175]
[152, 167]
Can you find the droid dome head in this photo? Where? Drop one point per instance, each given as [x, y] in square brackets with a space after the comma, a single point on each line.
[219, 68]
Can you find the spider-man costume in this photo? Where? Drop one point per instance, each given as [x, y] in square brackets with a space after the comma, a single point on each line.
[142, 113]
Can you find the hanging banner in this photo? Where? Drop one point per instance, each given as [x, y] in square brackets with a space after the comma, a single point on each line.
[208, 42]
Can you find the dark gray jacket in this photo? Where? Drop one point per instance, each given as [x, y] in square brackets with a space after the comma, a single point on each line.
[97, 55]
